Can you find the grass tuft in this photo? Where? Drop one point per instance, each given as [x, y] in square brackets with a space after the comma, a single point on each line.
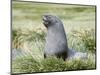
[30, 65]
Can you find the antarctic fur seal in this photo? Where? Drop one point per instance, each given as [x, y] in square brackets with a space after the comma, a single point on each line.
[56, 42]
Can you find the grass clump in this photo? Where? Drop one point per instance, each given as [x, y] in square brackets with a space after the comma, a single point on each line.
[36, 64]
[19, 37]
[87, 37]
[30, 65]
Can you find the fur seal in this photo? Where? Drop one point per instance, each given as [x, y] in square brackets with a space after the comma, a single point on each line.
[56, 42]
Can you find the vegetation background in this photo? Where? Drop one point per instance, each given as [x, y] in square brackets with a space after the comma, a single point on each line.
[28, 36]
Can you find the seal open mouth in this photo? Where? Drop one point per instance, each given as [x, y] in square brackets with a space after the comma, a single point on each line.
[44, 18]
[45, 21]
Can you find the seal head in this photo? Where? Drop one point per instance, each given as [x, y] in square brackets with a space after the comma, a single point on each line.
[49, 20]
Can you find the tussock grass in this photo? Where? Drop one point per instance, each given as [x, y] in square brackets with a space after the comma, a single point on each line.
[29, 65]
[35, 62]
[87, 37]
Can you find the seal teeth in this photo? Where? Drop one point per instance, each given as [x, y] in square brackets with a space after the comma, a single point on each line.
[44, 18]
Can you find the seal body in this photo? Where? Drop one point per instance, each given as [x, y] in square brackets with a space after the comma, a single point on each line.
[56, 42]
